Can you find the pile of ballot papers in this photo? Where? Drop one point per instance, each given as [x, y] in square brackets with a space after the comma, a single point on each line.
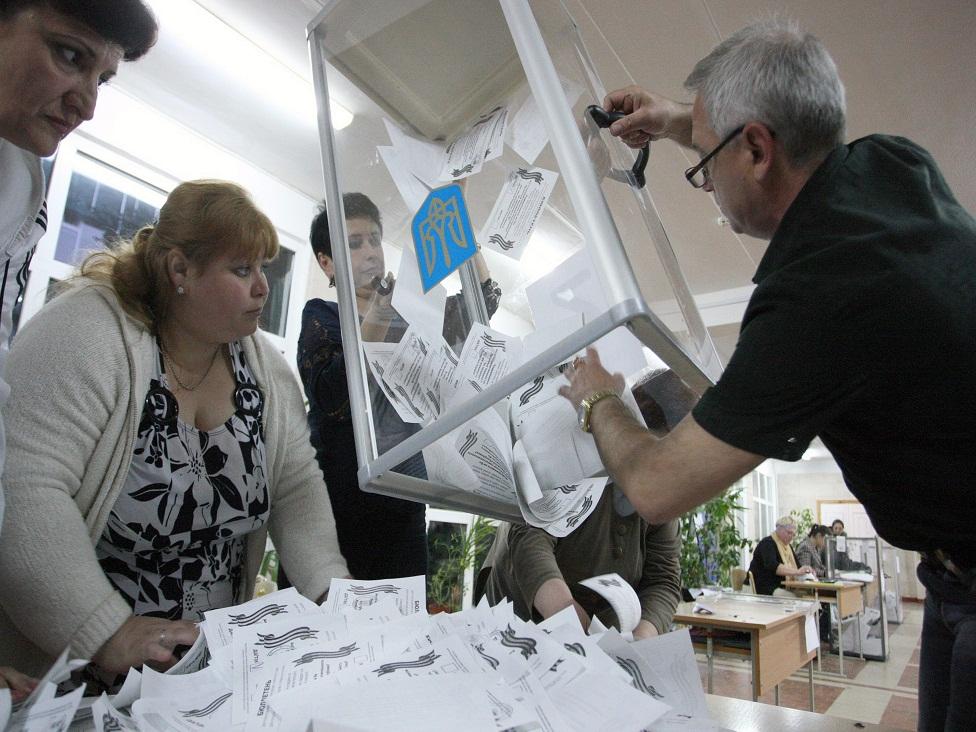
[371, 658]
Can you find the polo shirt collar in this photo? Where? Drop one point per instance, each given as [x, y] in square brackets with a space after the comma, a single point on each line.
[788, 243]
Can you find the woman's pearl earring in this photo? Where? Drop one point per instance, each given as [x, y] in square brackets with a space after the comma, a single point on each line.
[180, 290]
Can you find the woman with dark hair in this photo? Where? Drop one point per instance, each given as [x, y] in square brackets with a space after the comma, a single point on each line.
[380, 537]
[156, 438]
[53, 56]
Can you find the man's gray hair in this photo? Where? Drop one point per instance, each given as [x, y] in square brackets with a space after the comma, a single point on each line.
[772, 72]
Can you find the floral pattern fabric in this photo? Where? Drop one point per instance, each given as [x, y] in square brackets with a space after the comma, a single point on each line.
[174, 544]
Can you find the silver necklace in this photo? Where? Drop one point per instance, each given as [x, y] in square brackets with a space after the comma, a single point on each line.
[186, 387]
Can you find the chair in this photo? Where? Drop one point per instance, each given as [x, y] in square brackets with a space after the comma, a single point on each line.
[738, 578]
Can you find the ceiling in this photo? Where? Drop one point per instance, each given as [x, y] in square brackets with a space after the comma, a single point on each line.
[907, 66]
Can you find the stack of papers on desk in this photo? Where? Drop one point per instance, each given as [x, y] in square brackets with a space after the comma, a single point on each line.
[371, 658]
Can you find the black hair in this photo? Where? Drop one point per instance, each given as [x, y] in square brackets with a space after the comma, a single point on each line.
[356, 205]
[837, 521]
[129, 24]
[818, 530]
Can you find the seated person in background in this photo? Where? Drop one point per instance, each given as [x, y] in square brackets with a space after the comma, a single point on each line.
[811, 550]
[154, 439]
[380, 537]
[540, 573]
[773, 560]
[842, 561]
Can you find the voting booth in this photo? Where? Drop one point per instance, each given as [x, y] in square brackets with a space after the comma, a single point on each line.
[488, 159]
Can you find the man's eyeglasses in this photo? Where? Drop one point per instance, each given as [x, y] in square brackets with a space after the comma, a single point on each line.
[698, 175]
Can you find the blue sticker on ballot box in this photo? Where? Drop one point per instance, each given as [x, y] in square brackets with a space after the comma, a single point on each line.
[442, 235]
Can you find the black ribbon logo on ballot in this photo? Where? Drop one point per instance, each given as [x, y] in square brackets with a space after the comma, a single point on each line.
[492, 661]
[258, 615]
[326, 655]
[425, 660]
[361, 590]
[527, 395]
[526, 646]
[526, 175]
[637, 678]
[501, 242]
[270, 640]
[575, 518]
[470, 441]
[209, 709]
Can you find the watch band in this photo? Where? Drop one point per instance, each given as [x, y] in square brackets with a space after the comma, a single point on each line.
[591, 402]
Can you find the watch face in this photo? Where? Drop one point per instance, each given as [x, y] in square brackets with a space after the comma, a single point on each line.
[581, 416]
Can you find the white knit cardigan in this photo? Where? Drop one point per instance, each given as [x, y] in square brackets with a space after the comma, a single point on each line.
[79, 372]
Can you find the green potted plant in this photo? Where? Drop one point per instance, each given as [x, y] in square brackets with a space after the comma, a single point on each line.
[450, 558]
[711, 545]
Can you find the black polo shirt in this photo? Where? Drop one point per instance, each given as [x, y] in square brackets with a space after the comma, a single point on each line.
[862, 330]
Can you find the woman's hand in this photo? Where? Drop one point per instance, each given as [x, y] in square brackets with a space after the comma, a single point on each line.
[379, 312]
[145, 640]
[20, 685]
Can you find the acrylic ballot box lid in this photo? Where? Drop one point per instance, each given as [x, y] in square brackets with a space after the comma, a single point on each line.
[472, 136]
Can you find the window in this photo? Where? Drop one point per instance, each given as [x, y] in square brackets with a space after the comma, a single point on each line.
[764, 502]
[274, 317]
[103, 205]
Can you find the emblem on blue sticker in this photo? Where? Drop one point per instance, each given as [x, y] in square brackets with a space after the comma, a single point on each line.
[442, 235]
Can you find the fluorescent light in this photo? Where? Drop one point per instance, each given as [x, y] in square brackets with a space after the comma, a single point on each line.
[229, 55]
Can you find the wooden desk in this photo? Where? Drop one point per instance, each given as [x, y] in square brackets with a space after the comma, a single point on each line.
[777, 645]
[847, 596]
[742, 715]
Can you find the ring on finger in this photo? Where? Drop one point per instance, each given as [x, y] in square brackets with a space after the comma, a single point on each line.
[162, 637]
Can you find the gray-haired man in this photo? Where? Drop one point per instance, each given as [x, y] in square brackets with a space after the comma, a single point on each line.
[861, 329]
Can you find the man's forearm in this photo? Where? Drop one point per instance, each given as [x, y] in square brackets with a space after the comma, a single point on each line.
[665, 478]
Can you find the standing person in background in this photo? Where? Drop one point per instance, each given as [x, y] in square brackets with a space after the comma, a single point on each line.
[773, 560]
[380, 537]
[54, 54]
[842, 561]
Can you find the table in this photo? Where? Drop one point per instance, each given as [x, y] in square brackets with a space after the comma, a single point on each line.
[777, 641]
[745, 716]
[847, 596]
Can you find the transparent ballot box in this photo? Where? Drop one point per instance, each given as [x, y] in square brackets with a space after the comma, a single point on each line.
[512, 225]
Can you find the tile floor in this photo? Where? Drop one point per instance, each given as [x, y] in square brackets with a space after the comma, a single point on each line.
[874, 692]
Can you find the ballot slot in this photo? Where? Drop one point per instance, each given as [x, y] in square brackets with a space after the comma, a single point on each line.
[481, 143]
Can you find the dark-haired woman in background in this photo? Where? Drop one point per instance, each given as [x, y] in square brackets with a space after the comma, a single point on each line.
[380, 537]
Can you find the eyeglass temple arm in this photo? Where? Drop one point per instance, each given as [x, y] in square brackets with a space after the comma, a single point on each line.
[603, 119]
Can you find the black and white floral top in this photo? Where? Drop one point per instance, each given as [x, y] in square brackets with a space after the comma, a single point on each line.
[174, 544]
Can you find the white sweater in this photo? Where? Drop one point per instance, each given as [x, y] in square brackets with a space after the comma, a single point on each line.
[79, 373]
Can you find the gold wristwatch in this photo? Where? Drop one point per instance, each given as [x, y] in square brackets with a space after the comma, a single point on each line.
[586, 406]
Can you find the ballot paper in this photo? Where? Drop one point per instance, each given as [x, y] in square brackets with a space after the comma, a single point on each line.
[257, 650]
[378, 355]
[573, 287]
[476, 457]
[418, 368]
[404, 704]
[479, 669]
[422, 158]
[483, 141]
[107, 718]
[642, 676]
[130, 691]
[345, 594]
[6, 705]
[487, 356]
[412, 189]
[517, 210]
[193, 660]
[559, 509]
[528, 136]
[671, 658]
[221, 624]
[423, 310]
[48, 713]
[595, 703]
[621, 597]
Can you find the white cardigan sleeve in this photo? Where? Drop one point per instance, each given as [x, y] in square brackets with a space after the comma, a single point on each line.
[70, 379]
